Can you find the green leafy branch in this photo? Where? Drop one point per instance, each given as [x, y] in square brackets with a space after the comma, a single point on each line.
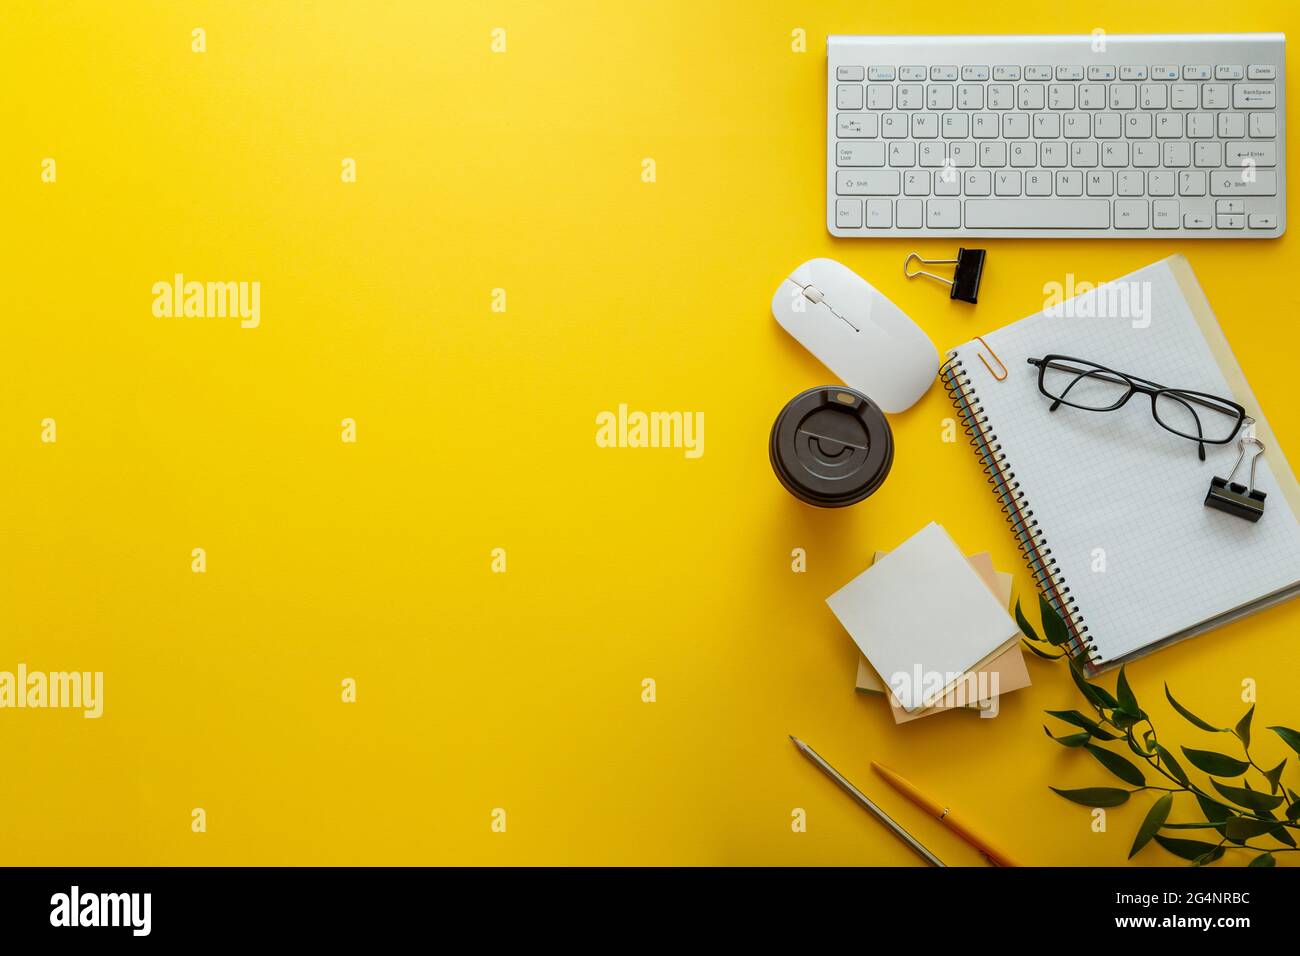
[1234, 812]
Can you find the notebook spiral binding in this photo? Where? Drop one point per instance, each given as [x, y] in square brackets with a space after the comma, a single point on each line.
[1019, 513]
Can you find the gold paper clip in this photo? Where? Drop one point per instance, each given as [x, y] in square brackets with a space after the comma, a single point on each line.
[1005, 373]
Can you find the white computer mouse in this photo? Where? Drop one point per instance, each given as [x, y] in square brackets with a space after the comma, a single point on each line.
[857, 333]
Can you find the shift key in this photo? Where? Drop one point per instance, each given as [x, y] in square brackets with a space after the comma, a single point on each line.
[870, 182]
[1259, 182]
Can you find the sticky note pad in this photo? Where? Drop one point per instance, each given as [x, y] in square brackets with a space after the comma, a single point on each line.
[923, 617]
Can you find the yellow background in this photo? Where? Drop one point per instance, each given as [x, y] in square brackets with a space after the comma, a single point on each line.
[476, 431]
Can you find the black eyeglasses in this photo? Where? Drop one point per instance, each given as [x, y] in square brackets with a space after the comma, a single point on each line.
[1205, 419]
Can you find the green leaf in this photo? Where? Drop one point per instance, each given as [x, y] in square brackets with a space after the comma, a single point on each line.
[1080, 720]
[1274, 776]
[1124, 693]
[1155, 819]
[1290, 737]
[1098, 696]
[1094, 796]
[1250, 799]
[1264, 859]
[1214, 811]
[1054, 628]
[1217, 764]
[1072, 740]
[1282, 835]
[1042, 654]
[1192, 717]
[1172, 765]
[1293, 811]
[1026, 628]
[1241, 829]
[1242, 729]
[1119, 765]
[1196, 850]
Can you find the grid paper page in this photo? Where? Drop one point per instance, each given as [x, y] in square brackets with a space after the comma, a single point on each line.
[1119, 482]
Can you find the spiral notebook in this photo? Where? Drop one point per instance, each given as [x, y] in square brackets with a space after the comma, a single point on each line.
[1108, 508]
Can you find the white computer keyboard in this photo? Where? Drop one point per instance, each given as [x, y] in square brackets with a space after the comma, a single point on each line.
[1057, 136]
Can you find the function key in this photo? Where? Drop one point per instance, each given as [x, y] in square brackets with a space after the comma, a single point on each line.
[945, 73]
[1132, 72]
[911, 74]
[974, 72]
[1196, 72]
[1003, 73]
[1101, 73]
[1038, 73]
[847, 74]
[1258, 71]
[882, 73]
[1069, 72]
[1229, 73]
[1165, 73]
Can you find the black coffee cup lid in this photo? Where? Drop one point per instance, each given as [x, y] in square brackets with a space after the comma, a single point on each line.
[831, 446]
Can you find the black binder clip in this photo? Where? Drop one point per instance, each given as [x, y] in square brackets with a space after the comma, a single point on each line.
[1237, 499]
[965, 281]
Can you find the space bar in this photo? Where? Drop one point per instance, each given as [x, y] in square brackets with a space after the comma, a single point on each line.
[1037, 214]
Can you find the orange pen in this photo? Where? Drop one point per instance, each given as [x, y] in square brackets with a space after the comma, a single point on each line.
[944, 815]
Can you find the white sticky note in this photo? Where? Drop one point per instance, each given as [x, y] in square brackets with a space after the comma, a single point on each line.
[922, 616]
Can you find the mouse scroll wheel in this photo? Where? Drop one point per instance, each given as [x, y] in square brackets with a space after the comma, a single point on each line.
[812, 293]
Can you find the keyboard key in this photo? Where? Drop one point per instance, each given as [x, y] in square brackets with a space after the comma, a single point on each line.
[993, 154]
[847, 74]
[1061, 96]
[1254, 96]
[1260, 220]
[985, 126]
[1048, 125]
[1132, 214]
[1196, 220]
[1261, 72]
[1230, 222]
[1177, 154]
[1201, 125]
[1233, 125]
[1006, 182]
[1037, 214]
[1165, 72]
[1030, 96]
[1114, 155]
[1069, 72]
[925, 125]
[848, 213]
[955, 126]
[1092, 96]
[894, 125]
[880, 96]
[1169, 125]
[974, 72]
[1038, 182]
[1166, 214]
[1154, 96]
[909, 213]
[1101, 73]
[1197, 72]
[1100, 182]
[1230, 73]
[1015, 125]
[1076, 125]
[848, 97]
[1123, 96]
[1209, 155]
[1084, 155]
[970, 96]
[860, 154]
[943, 213]
[857, 125]
[912, 74]
[1106, 125]
[978, 182]
[1024, 155]
[1138, 125]
[881, 73]
[911, 96]
[939, 96]
[1183, 96]
[916, 182]
[1069, 182]
[1263, 125]
[1191, 182]
[902, 155]
[1261, 154]
[1215, 96]
[1235, 184]
[1230, 205]
[1130, 182]
[1002, 96]
[1054, 155]
[1038, 73]
[931, 154]
[1146, 154]
[882, 182]
[1160, 182]
[1006, 73]
[880, 213]
[943, 73]
[962, 154]
[1132, 72]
